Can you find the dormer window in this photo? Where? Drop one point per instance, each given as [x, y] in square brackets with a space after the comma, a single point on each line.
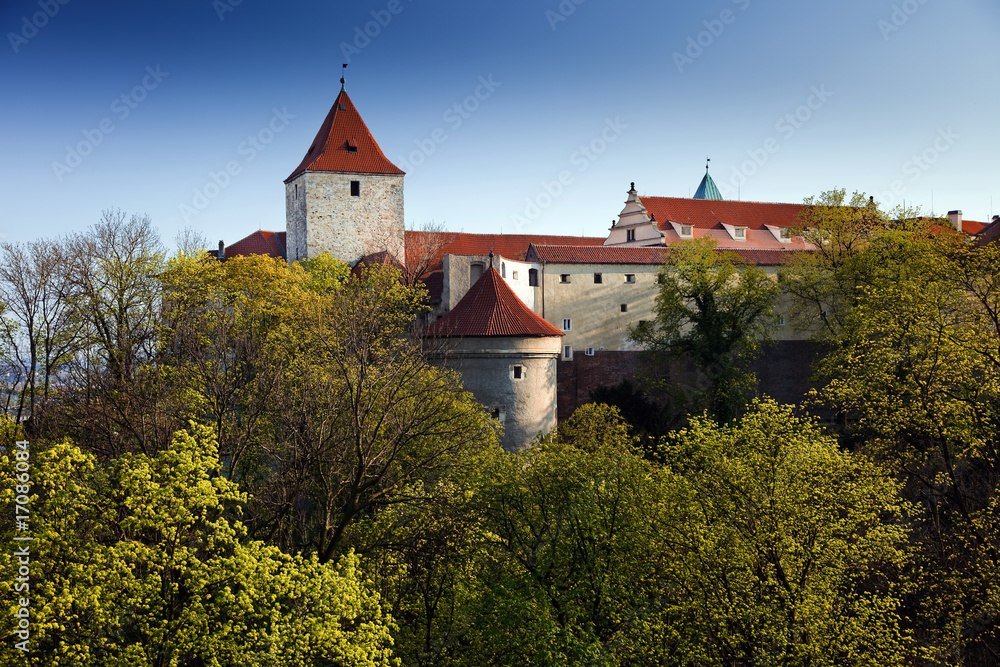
[786, 233]
[740, 233]
[351, 148]
[687, 231]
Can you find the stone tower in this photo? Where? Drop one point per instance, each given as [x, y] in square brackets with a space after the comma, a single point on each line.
[506, 355]
[345, 197]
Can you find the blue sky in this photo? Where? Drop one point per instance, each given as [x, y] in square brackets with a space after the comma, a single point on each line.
[194, 112]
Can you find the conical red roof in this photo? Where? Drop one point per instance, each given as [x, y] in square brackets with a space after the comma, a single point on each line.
[344, 144]
[491, 308]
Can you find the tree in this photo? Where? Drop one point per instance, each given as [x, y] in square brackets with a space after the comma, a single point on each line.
[916, 372]
[715, 311]
[38, 330]
[575, 564]
[788, 547]
[134, 562]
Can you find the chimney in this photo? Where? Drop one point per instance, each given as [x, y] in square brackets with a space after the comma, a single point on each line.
[956, 219]
[222, 251]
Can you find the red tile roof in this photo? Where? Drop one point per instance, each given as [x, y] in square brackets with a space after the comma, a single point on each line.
[708, 213]
[429, 248]
[490, 308]
[342, 131]
[260, 242]
[643, 255]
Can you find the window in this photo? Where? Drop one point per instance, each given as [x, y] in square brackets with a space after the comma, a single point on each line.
[500, 414]
[630, 235]
[781, 320]
[533, 277]
[296, 189]
[513, 275]
[630, 277]
[740, 233]
[598, 278]
[355, 188]
[567, 325]
[517, 372]
[589, 352]
[786, 233]
[476, 272]
[564, 277]
[567, 352]
[503, 269]
[624, 307]
[351, 148]
[687, 230]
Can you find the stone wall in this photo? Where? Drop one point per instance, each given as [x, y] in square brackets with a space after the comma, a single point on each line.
[322, 216]
[528, 404]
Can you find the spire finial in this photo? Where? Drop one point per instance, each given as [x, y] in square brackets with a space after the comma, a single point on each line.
[491, 258]
[707, 160]
[343, 79]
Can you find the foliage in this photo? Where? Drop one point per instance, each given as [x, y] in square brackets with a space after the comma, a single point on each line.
[135, 563]
[788, 547]
[715, 312]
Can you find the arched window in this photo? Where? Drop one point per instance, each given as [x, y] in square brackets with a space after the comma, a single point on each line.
[533, 277]
[503, 269]
[475, 272]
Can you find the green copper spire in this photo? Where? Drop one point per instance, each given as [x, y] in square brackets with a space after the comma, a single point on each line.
[707, 188]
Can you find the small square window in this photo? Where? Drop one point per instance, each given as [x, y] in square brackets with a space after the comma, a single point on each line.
[567, 325]
[589, 352]
[630, 277]
[624, 307]
[630, 235]
[781, 320]
[567, 352]
[687, 230]
[355, 188]
[513, 275]
[517, 372]
[500, 414]
[740, 233]
[786, 233]
[564, 277]
[598, 278]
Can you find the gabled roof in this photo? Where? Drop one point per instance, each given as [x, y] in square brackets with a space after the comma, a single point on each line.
[707, 188]
[344, 144]
[490, 308]
[643, 255]
[708, 213]
[260, 242]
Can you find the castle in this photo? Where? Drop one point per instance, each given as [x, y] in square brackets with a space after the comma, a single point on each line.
[519, 310]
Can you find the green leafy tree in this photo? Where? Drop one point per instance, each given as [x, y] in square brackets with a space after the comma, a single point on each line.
[916, 372]
[716, 312]
[788, 548]
[135, 563]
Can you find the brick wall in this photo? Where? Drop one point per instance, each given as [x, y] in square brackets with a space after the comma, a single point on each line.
[783, 370]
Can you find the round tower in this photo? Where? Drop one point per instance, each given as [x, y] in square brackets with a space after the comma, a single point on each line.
[506, 355]
[345, 197]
